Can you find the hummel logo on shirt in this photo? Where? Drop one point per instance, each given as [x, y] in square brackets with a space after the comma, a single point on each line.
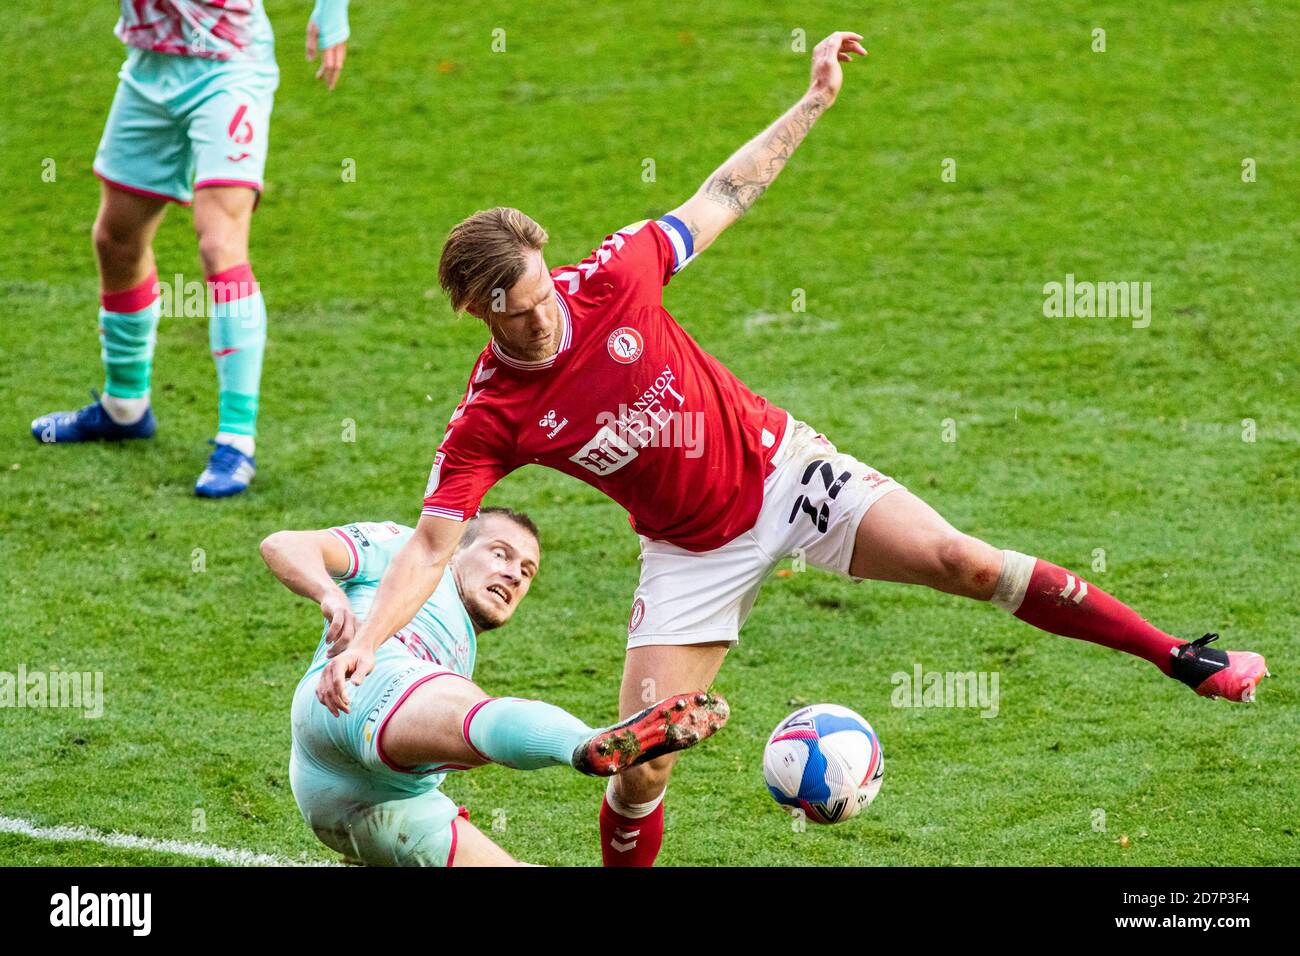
[548, 421]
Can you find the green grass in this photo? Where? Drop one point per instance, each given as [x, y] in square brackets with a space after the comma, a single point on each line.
[924, 304]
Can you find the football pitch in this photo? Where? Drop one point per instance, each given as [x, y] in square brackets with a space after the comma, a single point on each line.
[888, 289]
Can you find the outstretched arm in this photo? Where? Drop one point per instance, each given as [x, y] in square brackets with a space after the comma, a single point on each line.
[733, 187]
[306, 562]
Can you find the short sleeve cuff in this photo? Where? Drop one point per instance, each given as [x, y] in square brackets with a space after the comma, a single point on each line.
[451, 514]
[354, 560]
[679, 237]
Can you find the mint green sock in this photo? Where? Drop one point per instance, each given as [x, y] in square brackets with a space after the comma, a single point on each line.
[526, 734]
[237, 335]
[126, 346]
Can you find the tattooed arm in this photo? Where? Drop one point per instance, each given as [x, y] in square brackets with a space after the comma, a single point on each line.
[733, 187]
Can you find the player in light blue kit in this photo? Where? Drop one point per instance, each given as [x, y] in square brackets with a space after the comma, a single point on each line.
[189, 125]
[366, 779]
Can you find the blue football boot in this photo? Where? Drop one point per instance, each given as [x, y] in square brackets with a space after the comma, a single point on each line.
[91, 423]
[228, 472]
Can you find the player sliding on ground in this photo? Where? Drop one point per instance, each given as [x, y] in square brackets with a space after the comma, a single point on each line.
[586, 372]
[189, 124]
[368, 784]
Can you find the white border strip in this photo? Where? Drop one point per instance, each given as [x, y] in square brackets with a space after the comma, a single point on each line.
[127, 841]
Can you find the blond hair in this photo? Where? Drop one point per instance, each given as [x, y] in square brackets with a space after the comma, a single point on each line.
[486, 252]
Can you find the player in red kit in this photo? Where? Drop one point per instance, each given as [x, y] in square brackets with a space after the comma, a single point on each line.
[587, 373]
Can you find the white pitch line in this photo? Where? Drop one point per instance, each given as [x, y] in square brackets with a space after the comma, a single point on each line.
[128, 841]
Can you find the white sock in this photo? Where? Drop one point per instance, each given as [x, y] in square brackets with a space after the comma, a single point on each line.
[125, 411]
[244, 443]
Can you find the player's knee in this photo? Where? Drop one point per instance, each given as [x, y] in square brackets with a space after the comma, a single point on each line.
[968, 565]
[116, 247]
[221, 247]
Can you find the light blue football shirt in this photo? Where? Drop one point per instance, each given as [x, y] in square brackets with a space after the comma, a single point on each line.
[441, 630]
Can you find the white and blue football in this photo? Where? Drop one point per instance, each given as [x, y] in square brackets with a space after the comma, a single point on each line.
[824, 760]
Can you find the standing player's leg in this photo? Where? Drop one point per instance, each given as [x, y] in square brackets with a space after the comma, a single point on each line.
[128, 317]
[901, 538]
[143, 161]
[229, 119]
[632, 813]
[128, 324]
[236, 333]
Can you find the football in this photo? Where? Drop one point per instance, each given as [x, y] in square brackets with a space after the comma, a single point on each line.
[824, 760]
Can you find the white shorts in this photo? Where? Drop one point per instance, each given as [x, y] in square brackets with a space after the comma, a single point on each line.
[813, 501]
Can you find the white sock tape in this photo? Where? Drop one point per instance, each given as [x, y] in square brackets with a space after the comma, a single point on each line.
[633, 811]
[1013, 582]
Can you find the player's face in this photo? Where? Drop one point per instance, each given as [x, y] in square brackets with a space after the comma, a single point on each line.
[528, 324]
[495, 571]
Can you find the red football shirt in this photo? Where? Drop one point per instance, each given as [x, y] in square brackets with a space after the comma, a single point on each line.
[629, 404]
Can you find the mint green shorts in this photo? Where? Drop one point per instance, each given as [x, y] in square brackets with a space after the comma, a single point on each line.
[181, 123]
[353, 797]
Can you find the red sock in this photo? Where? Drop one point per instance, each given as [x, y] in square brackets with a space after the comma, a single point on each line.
[1063, 603]
[630, 841]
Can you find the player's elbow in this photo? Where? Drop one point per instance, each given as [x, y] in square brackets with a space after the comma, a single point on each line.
[272, 545]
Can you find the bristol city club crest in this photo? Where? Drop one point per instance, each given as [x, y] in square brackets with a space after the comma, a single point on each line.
[625, 345]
